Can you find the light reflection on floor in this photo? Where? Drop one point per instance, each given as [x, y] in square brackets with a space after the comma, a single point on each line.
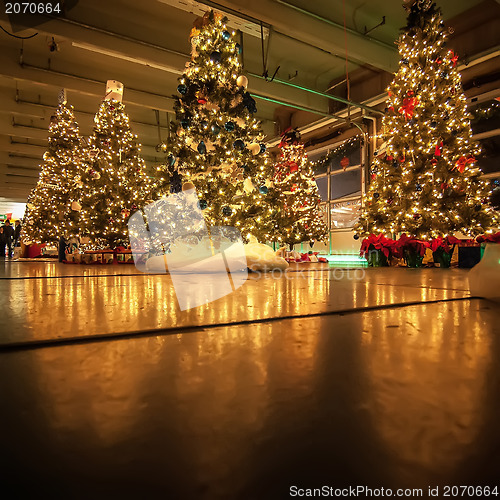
[394, 397]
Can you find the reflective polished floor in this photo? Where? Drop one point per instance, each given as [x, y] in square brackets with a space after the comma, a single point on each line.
[369, 377]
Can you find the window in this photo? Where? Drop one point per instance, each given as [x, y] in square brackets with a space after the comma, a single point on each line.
[353, 158]
[322, 183]
[344, 214]
[339, 183]
[346, 183]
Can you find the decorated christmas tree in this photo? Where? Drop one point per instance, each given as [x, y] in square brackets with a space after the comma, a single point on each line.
[217, 143]
[427, 184]
[115, 182]
[298, 218]
[52, 207]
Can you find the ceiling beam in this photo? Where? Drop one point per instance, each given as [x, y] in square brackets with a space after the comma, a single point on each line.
[11, 68]
[315, 31]
[23, 172]
[20, 148]
[19, 161]
[121, 47]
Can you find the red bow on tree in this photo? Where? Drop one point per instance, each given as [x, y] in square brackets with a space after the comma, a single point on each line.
[454, 58]
[462, 162]
[439, 147]
[290, 137]
[408, 107]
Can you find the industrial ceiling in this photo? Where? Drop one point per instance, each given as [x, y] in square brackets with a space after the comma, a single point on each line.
[145, 45]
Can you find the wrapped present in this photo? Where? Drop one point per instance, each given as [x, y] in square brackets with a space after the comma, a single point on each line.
[469, 256]
[107, 258]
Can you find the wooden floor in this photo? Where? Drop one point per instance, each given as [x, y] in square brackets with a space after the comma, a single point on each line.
[320, 376]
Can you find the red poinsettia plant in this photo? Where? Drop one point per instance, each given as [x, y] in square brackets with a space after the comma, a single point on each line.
[410, 243]
[380, 242]
[447, 243]
[489, 238]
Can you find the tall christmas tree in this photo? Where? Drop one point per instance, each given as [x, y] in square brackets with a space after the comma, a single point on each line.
[298, 218]
[115, 182]
[218, 144]
[427, 184]
[52, 207]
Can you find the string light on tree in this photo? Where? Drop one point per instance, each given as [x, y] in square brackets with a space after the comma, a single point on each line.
[429, 171]
[298, 218]
[217, 143]
[115, 182]
[52, 210]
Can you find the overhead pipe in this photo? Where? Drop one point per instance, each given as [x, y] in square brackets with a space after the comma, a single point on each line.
[259, 22]
[295, 106]
[120, 36]
[323, 94]
[333, 23]
[309, 110]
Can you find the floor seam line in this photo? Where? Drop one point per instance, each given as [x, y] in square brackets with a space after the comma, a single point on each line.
[31, 345]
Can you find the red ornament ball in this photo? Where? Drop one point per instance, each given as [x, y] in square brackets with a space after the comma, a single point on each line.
[344, 162]
[293, 167]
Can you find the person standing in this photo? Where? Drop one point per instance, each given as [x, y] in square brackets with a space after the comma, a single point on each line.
[17, 233]
[3, 242]
[9, 237]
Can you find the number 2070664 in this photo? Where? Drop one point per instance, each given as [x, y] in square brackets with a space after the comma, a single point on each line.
[32, 8]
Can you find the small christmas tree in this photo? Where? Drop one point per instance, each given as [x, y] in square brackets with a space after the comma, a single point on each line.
[115, 182]
[427, 184]
[52, 207]
[217, 143]
[298, 218]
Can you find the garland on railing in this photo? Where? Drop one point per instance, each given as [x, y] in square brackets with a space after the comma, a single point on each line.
[485, 112]
[343, 150]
